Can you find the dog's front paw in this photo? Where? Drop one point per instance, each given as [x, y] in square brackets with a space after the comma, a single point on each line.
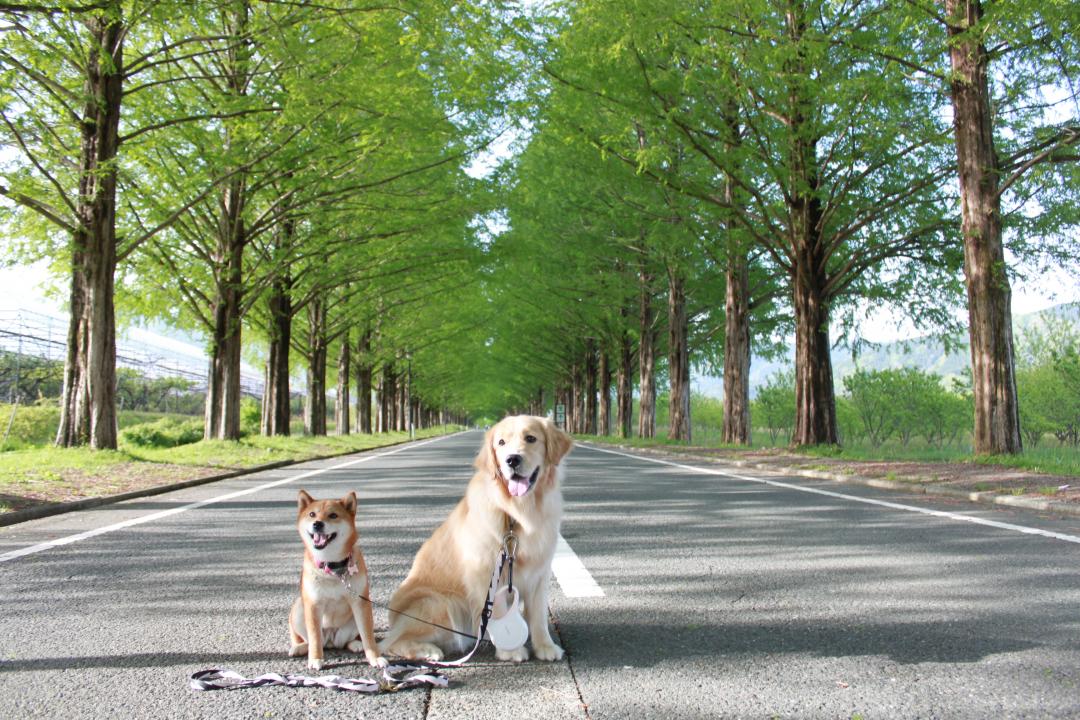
[379, 662]
[519, 655]
[315, 663]
[298, 650]
[547, 651]
[417, 651]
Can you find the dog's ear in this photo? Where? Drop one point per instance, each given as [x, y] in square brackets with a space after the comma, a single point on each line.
[557, 443]
[485, 460]
[303, 500]
[349, 501]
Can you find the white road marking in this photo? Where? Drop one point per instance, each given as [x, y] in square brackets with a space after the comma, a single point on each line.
[573, 577]
[869, 501]
[32, 549]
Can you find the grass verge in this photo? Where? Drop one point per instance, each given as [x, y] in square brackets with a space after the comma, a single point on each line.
[47, 475]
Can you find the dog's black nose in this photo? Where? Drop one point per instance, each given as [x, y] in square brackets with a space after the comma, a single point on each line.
[513, 461]
[317, 526]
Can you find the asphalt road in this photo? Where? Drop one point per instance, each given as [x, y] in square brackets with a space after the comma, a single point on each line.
[751, 596]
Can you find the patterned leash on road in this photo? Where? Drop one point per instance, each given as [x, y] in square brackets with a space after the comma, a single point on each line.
[397, 676]
[394, 678]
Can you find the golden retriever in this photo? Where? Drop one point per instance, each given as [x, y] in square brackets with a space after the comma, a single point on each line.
[518, 474]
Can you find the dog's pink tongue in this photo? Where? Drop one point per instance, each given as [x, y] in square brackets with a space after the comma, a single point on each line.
[318, 538]
[518, 487]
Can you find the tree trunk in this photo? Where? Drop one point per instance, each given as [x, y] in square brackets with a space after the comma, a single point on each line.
[815, 400]
[578, 390]
[342, 403]
[997, 417]
[590, 387]
[604, 428]
[363, 382]
[276, 398]
[625, 386]
[402, 402]
[736, 423]
[646, 357]
[736, 428]
[386, 399]
[75, 403]
[678, 359]
[315, 409]
[223, 381]
[89, 404]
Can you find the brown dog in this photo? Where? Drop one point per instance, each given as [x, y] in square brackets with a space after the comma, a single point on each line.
[330, 611]
[517, 479]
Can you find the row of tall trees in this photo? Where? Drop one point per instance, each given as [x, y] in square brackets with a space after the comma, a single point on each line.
[703, 177]
[692, 183]
[288, 172]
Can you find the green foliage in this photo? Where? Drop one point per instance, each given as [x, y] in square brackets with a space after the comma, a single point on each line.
[905, 403]
[167, 432]
[250, 416]
[774, 406]
[38, 378]
[1048, 381]
[32, 425]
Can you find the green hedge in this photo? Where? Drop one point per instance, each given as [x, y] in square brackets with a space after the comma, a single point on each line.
[164, 433]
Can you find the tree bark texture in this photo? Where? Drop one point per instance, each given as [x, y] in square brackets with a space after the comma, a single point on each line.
[276, 400]
[223, 381]
[315, 408]
[88, 408]
[997, 416]
[589, 426]
[735, 426]
[342, 402]
[363, 382]
[624, 390]
[678, 359]
[815, 400]
[736, 422]
[604, 375]
[646, 357]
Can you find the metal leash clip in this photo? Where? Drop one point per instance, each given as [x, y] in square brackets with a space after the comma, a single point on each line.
[510, 545]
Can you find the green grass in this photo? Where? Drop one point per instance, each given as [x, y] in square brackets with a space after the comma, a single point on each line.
[35, 425]
[259, 450]
[48, 473]
[43, 461]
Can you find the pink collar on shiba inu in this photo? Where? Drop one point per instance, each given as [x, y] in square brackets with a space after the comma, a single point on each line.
[338, 567]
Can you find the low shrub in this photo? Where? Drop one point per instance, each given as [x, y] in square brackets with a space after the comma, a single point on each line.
[32, 424]
[164, 433]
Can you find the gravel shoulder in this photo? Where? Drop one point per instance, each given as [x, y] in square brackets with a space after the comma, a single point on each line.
[977, 482]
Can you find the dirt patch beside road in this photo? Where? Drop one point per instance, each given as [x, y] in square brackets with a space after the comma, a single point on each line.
[967, 477]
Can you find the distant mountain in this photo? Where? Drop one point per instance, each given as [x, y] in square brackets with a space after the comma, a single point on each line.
[926, 353]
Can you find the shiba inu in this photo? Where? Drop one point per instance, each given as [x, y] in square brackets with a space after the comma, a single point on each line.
[332, 610]
[515, 486]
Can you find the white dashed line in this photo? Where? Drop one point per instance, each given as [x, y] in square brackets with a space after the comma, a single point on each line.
[574, 579]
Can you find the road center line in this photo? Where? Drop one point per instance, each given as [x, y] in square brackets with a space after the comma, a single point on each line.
[868, 501]
[574, 578]
[58, 542]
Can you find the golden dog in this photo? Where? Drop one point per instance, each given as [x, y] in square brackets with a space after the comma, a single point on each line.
[517, 479]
